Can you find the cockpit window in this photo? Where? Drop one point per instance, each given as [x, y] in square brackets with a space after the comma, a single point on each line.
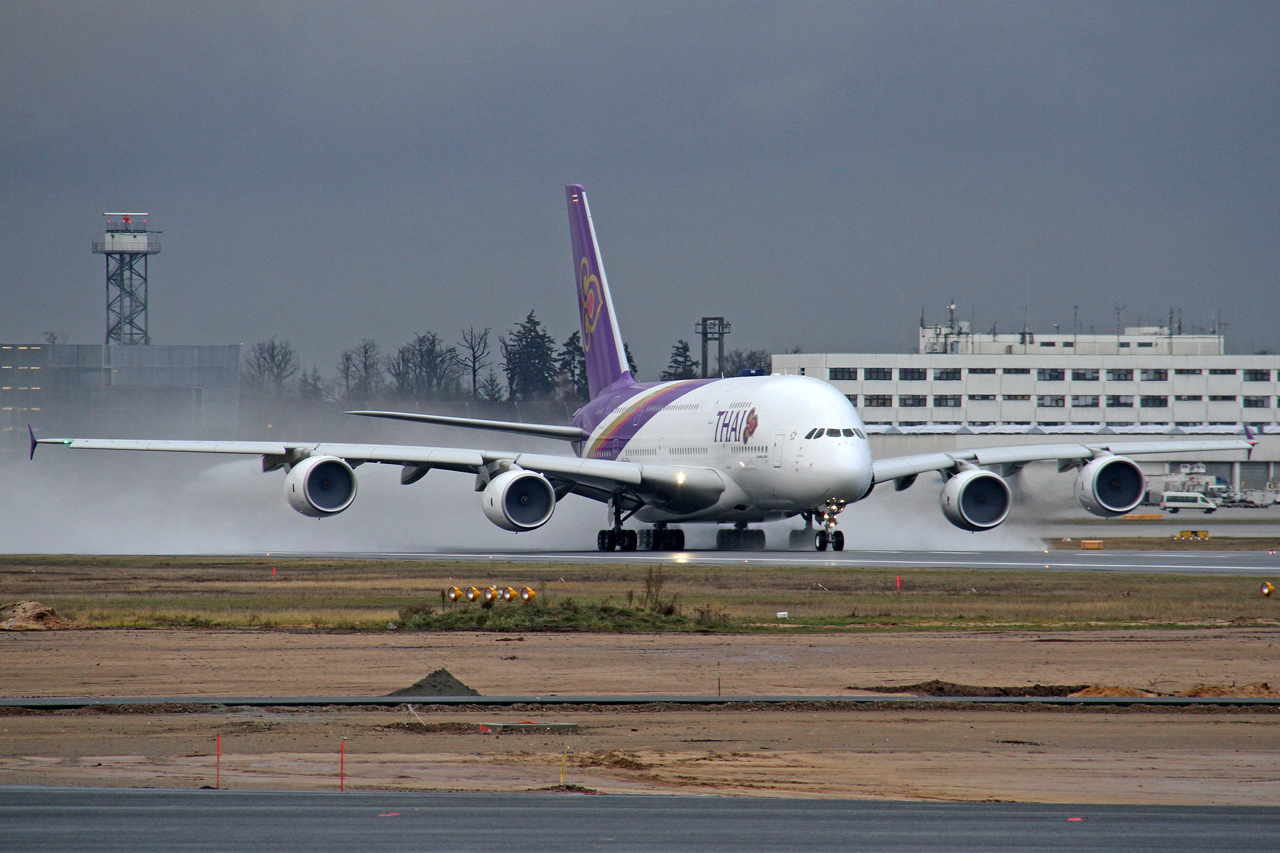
[811, 433]
[860, 435]
[834, 433]
[848, 433]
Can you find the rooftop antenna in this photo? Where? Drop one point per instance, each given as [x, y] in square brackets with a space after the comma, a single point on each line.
[1119, 308]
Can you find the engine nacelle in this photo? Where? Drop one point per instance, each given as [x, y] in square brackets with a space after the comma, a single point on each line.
[519, 500]
[1110, 486]
[975, 500]
[320, 486]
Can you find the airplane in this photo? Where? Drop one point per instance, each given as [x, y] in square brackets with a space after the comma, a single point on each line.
[732, 452]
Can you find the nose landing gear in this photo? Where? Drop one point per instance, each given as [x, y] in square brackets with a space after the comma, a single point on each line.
[826, 534]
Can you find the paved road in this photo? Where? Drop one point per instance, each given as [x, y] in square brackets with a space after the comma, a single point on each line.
[1260, 563]
[140, 821]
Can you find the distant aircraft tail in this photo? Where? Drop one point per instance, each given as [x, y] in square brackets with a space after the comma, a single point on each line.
[601, 340]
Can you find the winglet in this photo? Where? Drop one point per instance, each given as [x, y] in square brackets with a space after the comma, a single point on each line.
[32, 433]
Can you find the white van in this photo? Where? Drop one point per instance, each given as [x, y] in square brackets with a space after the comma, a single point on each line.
[1174, 501]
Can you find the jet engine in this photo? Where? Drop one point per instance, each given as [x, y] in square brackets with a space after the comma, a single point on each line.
[519, 500]
[1110, 486]
[975, 500]
[320, 486]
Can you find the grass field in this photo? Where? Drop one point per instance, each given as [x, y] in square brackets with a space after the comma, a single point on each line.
[150, 592]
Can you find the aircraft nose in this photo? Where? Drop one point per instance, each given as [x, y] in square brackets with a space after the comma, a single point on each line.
[848, 471]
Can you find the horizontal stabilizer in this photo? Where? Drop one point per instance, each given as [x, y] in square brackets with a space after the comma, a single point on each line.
[564, 433]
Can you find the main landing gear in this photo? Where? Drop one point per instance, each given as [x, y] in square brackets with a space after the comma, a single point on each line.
[657, 538]
[826, 534]
[740, 538]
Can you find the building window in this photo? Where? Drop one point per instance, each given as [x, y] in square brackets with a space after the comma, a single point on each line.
[1187, 371]
[1155, 402]
[1222, 398]
[1088, 374]
[1257, 402]
[852, 398]
[946, 374]
[973, 371]
[1145, 344]
[1068, 343]
[1119, 401]
[1049, 423]
[841, 374]
[946, 401]
[1257, 376]
[1051, 401]
[912, 401]
[1051, 374]
[1222, 371]
[878, 401]
[1084, 401]
[1047, 344]
[1124, 345]
[1188, 398]
[1153, 375]
[1017, 371]
[1119, 375]
[974, 398]
[913, 423]
[908, 374]
[883, 373]
[1016, 397]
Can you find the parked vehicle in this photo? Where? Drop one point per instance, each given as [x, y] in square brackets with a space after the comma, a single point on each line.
[1175, 501]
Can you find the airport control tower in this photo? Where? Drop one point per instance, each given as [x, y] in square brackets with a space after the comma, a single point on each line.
[126, 242]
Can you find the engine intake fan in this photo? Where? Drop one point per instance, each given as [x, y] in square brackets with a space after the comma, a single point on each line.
[975, 500]
[519, 500]
[1110, 486]
[320, 486]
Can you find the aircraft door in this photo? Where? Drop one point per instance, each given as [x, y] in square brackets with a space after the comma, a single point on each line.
[775, 450]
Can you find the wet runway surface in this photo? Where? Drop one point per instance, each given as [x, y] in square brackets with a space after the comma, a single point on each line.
[140, 821]
[1260, 563]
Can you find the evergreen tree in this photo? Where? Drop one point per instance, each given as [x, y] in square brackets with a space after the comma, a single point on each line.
[311, 386]
[572, 363]
[490, 388]
[529, 360]
[631, 362]
[682, 364]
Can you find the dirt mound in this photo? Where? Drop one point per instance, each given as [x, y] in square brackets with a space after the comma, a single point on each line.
[439, 683]
[1118, 691]
[947, 688]
[29, 616]
[1256, 688]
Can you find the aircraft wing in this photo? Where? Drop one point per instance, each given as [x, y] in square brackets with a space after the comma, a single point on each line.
[674, 487]
[1013, 457]
[566, 433]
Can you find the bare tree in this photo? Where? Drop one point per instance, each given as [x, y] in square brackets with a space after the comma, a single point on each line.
[424, 368]
[736, 360]
[53, 338]
[269, 366]
[360, 369]
[474, 356]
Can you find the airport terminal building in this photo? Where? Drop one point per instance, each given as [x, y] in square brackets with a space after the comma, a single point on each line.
[118, 391]
[963, 389]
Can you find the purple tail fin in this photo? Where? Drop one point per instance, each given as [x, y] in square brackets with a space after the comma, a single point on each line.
[601, 341]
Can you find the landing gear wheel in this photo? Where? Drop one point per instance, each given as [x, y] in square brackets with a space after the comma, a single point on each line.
[837, 540]
[820, 540]
[677, 540]
[606, 540]
[627, 540]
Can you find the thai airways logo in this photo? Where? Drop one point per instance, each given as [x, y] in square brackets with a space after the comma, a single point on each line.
[734, 425]
[592, 301]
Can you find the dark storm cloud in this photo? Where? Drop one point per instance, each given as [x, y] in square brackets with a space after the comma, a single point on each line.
[816, 172]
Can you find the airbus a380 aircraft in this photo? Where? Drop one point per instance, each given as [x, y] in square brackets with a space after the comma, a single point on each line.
[733, 451]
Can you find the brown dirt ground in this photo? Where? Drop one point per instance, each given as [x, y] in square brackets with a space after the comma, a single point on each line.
[1121, 755]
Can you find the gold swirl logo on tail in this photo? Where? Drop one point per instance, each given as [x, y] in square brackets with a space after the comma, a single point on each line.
[592, 301]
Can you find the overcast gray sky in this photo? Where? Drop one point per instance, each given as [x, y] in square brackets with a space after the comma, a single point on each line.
[815, 172]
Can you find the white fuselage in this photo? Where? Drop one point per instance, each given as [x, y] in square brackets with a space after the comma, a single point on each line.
[754, 431]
